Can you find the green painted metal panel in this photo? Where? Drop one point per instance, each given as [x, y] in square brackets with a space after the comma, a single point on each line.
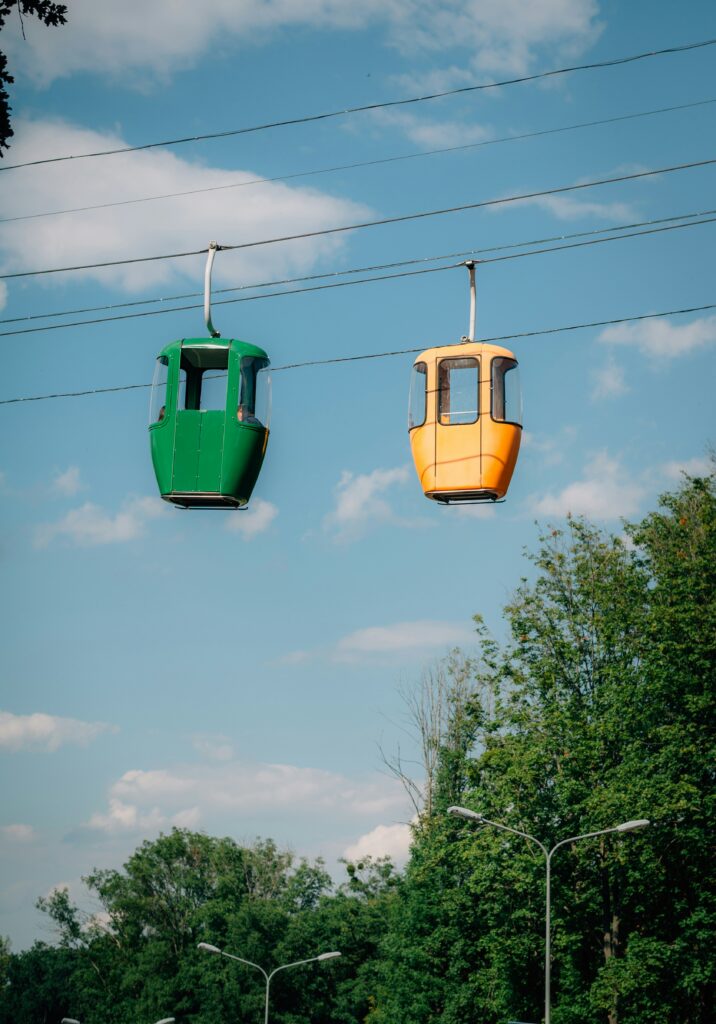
[211, 450]
[187, 437]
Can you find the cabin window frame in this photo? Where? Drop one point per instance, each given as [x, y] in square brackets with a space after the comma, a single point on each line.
[476, 360]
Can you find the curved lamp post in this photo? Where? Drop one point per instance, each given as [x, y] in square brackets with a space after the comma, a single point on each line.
[627, 826]
[267, 976]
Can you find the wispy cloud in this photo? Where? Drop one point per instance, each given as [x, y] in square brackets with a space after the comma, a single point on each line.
[430, 133]
[253, 520]
[660, 338]
[383, 841]
[18, 833]
[606, 491]
[493, 35]
[68, 483]
[46, 732]
[143, 800]
[419, 636]
[91, 526]
[416, 638]
[213, 746]
[696, 466]
[569, 208]
[609, 380]
[361, 501]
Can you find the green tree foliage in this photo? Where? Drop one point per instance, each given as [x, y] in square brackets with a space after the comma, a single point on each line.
[596, 710]
[50, 14]
[605, 713]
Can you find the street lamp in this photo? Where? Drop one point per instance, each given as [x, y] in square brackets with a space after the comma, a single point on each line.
[215, 949]
[627, 826]
[69, 1020]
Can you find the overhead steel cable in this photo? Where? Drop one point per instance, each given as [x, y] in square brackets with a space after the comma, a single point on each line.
[612, 62]
[363, 280]
[691, 217]
[385, 355]
[359, 164]
[373, 223]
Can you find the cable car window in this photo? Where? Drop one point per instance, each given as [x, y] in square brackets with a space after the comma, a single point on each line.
[417, 404]
[458, 384]
[206, 377]
[158, 396]
[506, 392]
[254, 392]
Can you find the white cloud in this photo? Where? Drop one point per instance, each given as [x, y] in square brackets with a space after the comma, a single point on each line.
[609, 380]
[422, 635]
[157, 38]
[606, 491]
[551, 449]
[383, 841]
[359, 502]
[692, 467]
[381, 642]
[3, 295]
[143, 800]
[569, 208]
[18, 833]
[68, 483]
[431, 133]
[213, 746]
[662, 339]
[266, 210]
[90, 526]
[46, 732]
[253, 520]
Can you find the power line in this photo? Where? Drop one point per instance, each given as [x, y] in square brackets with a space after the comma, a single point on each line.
[345, 284]
[692, 217]
[384, 355]
[613, 62]
[362, 163]
[373, 223]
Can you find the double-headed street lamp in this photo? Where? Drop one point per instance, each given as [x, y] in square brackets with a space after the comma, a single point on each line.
[627, 826]
[267, 976]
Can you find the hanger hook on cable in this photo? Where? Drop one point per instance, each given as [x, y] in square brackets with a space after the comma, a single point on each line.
[212, 251]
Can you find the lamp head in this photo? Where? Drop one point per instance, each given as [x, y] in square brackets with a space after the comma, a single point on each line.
[464, 812]
[69, 1020]
[328, 956]
[630, 826]
[166, 1020]
[208, 947]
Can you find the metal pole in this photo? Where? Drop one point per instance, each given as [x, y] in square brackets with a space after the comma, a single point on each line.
[213, 249]
[548, 944]
[268, 982]
[470, 264]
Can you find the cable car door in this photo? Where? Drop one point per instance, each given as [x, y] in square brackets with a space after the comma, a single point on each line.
[458, 425]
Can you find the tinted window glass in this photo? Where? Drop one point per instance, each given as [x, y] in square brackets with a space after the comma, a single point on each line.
[458, 391]
[506, 392]
[158, 397]
[254, 391]
[418, 396]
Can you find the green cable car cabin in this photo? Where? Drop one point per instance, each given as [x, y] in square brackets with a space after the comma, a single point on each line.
[209, 421]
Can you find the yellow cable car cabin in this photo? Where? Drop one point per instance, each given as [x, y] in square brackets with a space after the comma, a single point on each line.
[465, 421]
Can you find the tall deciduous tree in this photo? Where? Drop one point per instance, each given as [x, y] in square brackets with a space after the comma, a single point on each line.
[605, 714]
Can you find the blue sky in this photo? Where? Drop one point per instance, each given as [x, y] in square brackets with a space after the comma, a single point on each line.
[236, 672]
